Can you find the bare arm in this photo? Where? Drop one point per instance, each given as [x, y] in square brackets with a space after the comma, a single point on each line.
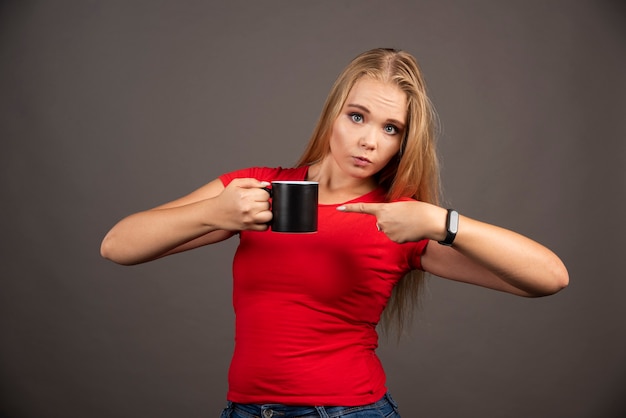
[482, 254]
[499, 259]
[208, 215]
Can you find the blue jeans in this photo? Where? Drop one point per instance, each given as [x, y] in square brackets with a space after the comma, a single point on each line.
[386, 407]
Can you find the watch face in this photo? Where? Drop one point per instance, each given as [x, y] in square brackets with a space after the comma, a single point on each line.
[454, 222]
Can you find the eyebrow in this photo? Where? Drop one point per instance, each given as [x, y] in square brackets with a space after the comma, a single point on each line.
[366, 110]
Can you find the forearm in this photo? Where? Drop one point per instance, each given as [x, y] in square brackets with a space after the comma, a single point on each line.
[481, 254]
[147, 235]
[210, 214]
[515, 259]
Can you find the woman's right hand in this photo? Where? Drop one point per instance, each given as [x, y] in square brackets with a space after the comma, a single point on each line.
[244, 205]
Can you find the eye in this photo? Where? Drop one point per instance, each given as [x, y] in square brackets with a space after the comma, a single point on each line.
[391, 129]
[356, 117]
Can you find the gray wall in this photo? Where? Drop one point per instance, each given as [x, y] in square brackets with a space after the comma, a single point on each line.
[107, 108]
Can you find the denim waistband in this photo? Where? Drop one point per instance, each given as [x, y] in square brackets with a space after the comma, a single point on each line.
[386, 405]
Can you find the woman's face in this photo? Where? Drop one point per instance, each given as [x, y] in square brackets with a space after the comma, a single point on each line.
[368, 132]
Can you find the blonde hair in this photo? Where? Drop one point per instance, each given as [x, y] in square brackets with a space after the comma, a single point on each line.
[413, 173]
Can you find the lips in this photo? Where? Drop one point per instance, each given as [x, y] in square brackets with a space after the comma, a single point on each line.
[361, 161]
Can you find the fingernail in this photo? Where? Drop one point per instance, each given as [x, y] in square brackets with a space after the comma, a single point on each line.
[265, 184]
[341, 208]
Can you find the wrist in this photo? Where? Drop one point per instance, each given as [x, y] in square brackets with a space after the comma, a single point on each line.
[213, 216]
[451, 227]
[437, 223]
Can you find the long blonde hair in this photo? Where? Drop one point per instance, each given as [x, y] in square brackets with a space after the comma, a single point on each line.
[413, 173]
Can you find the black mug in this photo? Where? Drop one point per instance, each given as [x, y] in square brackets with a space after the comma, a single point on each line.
[294, 206]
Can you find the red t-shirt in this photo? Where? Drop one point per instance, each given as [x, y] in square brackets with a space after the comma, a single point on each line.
[307, 306]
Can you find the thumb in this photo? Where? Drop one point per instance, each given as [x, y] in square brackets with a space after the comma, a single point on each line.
[368, 208]
[250, 183]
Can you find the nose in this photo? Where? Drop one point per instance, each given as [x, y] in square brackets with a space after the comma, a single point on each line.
[368, 139]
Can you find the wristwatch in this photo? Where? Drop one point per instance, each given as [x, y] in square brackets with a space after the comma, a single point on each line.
[452, 227]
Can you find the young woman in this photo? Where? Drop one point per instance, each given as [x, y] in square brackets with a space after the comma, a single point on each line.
[307, 305]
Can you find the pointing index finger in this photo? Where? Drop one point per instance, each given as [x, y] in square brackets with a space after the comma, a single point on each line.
[368, 208]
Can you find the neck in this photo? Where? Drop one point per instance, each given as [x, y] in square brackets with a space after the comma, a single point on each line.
[336, 188]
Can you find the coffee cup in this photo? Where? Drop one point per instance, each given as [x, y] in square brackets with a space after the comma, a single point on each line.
[294, 206]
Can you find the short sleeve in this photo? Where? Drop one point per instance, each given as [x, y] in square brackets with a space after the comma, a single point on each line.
[266, 174]
[259, 173]
[419, 248]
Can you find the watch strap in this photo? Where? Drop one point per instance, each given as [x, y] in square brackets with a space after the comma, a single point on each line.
[452, 227]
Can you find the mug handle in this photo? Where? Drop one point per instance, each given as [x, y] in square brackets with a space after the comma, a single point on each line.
[269, 191]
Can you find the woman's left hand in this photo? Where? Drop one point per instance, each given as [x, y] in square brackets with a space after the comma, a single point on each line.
[404, 221]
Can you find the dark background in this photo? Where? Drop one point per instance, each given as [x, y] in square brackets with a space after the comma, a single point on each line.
[110, 107]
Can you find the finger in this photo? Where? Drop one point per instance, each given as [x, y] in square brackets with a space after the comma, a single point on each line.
[259, 227]
[368, 208]
[250, 183]
[253, 188]
[259, 195]
[263, 217]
